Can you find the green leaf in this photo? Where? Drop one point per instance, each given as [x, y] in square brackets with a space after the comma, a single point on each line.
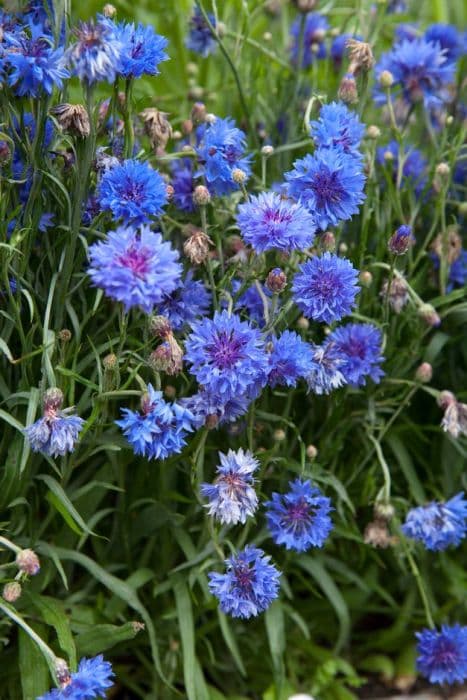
[6, 350]
[407, 468]
[53, 613]
[274, 619]
[65, 507]
[195, 686]
[33, 668]
[12, 421]
[230, 641]
[99, 638]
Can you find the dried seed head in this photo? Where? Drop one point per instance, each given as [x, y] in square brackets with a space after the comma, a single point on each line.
[167, 358]
[424, 373]
[445, 399]
[64, 335]
[360, 56]
[377, 534]
[12, 591]
[398, 293]
[450, 245]
[5, 153]
[201, 196]
[27, 562]
[73, 119]
[196, 248]
[211, 422]
[156, 126]
[160, 327]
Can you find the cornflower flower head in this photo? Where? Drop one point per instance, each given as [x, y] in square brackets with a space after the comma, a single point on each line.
[329, 184]
[359, 347]
[338, 48]
[212, 410]
[183, 184]
[451, 40]
[190, 301]
[159, 431]
[413, 170]
[132, 191]
[271, 222]
[135, 267]
[401, 240]
[338, 126]
[290, 359]
[227, 356]
[438, 525]
[249, 585]
[442, 655]
[458, 272]
[56, 433]
[325, 374]
[92, 680]
[325, 287]
[200, 38]
[142, 50]
[307, 35]
[97, 53]
[300, 518]
[421, 72]
[232, 497]
[32, 63]
[221, 151]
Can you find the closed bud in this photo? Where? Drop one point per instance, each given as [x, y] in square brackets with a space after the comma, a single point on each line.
[239, 176]
[343, 248]
[5, 153]
[303, 323]
[373, 132]
[192, 68]
[12, 591]
[328, 241]
[386, 79]
[365, 278]
[170, 191]
[210, 118]
[267, 36]
[53, 400]
[442, 169]
[64, 335]
[160, 326]
[383, 511]
[196, 92]
[401, 240]
[267, 151]
[212, 421]
[360, 56]
[196, 247]
[73, 119]
[348, 92]
[428, 313]
[424, 373]
[276, 280]
[110, 362]
[279, 435]
[177, 135]
[187, 127]
[311, 452]
[157, 127]
[388, 156]
[201, 196]
[62, 672]
[109, 11]
[198, 113]
[27, 562]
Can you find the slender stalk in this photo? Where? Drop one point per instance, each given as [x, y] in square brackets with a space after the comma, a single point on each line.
[419, 581]
[46, 650]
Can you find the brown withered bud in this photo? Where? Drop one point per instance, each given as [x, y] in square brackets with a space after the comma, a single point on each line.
[360, 56]
[196, 248]
[27, 562]
[160, 327]
[12, 591]
[453, 247]
[377, 534]
[5, 153]
[305, 5]
[73, 119]
[276, 281]
[62, 672]
[187, 127]
[198, 113]
[454, 420]
[64, 335]
[327, 241]
[348, 92]
[212, 421]
[168, 357]
[156, 127]
[398, 293]
[201, 196]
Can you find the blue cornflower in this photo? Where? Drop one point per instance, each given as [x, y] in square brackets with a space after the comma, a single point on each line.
[33, 64]
[338, 48]
[200, 38]
[413, 170]
[442, 656]
[160, 429]
[221, 150]
[142, 50]
[137, 268]
[269, 221]
[325, 288]
[300, 518]
[421, 72]
[406, 31]
[249, 585]
[401, 240]
[359, 347]
[227, 356]
[57, 431]
[329, 183]
[232, 497]
[338, 126]
[458, 271]
[290, 359]
[449, 38]
[91, 680]
[183, 184]
[97, 53]
[212, 410]
[307, 34]
[132, 191]
[438, 525]
[186, 304]
[325, 374]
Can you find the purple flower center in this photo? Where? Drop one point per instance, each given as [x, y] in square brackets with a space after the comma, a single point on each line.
[244, 577]
[327, 188]
[226, 350]
[355, 348]
[445, 654]
[325, 285]
[298, 514]
[136, 260]
[90, 36]
[234, 482]
[276, 216]
[132, 191]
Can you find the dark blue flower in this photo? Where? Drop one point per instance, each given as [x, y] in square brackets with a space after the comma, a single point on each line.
[401, 240]
[232, 497]
[213, 410]
[188, 302]
[329, 183]
[338, 126]
[290, 359]
[221, 151]
[132, 191]
[55, 433]
[300, 518]
[92, 680]
[136, 268]
[325, 374]
[183, 184]
[438, 525]
[249, 585]
[97, 53]
[413, 170]
[142, 50]
[32, 63]
[227, 356]
[269, 221]
[325, 288]
[200, 38]
[359, 347]
[421, 73]
[449, 38]
[442, 656]
[307, 34]
[406, 31]
[159, 431]
[458, 271]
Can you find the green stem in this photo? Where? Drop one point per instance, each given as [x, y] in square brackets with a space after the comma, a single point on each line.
[46, 650]
[416, 573]
[384, 467]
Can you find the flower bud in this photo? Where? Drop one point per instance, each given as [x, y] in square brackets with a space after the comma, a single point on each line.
[27, 562]
[201, 196]
[445, 399]
[212, 421]
[276, 280]
[167, 358]
[73, 119]
[239, 176]
[5, 153]
[303, 323]
[198, 113]
[62, 672]
[279, 435]
[12, 591]
[343, 248]
[192, 68]
[267, 151]
[187, 127]
[160, 326]
[110, 362]
[443, 169]
[383, 511]
[196, 92]
[398, 295]
[424, 373]
[373, 132]
[64, 335]
[109, 11]
[386, 79]
[177, 135]
[428, 313]
[53, 400]
[211, 118]
[328, 241]
[196, 247]
[311, 452]
[401, 240]
[267, 36]
[348, 92]
[156, 126]
[305, 5]
[365, 278]
[388, 156]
